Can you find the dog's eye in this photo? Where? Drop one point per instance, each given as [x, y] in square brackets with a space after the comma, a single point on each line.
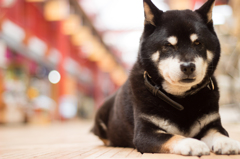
[168, 45]
[196, 42]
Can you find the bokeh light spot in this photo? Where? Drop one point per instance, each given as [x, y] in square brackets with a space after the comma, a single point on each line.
[54, 76]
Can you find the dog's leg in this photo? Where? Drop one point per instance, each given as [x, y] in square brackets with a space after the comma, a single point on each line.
[100, 127]
[221, 144]
[160, 142]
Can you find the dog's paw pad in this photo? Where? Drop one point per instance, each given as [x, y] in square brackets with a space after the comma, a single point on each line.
[226, 146]
[191, 147]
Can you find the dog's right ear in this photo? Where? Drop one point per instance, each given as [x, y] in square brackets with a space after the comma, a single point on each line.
[151, 12]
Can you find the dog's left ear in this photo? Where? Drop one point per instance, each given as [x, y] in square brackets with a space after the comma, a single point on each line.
[206, 11]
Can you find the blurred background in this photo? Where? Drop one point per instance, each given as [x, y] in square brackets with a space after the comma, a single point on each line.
[59, 59]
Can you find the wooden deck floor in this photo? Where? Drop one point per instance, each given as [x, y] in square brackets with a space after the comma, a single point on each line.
[73, 140]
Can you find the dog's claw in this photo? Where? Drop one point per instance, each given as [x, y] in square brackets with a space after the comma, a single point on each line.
[233, 152]
[190, 153]
[226, 146]
[200, 155]
[219, 151]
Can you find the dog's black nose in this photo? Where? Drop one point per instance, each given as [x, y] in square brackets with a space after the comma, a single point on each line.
[188, 68]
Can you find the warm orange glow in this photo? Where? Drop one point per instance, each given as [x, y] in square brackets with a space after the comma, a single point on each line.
[32, 93]
[71, 24]
[107, 63]
[118, 76]
[96, 50]
[70, 86]
[35, 0]
[97, 53]
[55, 10]
[82, 35]
[183, 4]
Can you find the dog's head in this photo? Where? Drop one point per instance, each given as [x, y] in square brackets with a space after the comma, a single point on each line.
[180, 49]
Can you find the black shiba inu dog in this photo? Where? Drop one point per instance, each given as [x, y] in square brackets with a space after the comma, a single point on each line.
[169, 104]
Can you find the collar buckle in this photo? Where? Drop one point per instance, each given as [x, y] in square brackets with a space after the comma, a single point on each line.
[210, 85]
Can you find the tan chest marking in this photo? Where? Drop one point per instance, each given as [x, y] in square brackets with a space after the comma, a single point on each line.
[172, 128]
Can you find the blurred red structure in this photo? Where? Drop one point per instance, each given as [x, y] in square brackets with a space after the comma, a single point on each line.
[89, 79]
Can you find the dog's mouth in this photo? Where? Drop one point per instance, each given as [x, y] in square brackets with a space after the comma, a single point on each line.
[188, 80]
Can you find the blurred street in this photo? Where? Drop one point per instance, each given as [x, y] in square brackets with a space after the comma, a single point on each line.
[73, 140]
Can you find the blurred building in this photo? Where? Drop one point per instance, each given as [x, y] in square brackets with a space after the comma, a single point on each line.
[54, 64]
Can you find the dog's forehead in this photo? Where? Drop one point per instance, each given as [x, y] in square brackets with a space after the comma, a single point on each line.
[181, 24]
[178, 16]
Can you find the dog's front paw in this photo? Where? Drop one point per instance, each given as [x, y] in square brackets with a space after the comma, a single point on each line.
[226, 146]
[191, 147]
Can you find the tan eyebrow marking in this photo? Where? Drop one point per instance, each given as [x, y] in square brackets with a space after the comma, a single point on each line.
[193, 37]
[173, 40]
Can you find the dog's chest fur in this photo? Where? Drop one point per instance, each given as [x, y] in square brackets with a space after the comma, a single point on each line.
[199, 110]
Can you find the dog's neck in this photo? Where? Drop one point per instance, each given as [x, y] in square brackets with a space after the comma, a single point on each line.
[175, 90]
[156, 90]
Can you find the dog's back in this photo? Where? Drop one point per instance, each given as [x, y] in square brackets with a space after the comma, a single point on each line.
[114, 120]
[101, 119]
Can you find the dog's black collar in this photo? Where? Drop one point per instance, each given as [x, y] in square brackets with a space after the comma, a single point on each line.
[155, 90]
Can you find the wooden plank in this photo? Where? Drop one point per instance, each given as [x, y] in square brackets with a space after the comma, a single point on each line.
[99, 153]
[101, 149]
[45, 155]
[123, 153]
[26, 153]
[110, 153]
[78, 152]
[166, 156]
[235, 156]
[42, 142]
[59, 154]
[134, 154]
[214, 156]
